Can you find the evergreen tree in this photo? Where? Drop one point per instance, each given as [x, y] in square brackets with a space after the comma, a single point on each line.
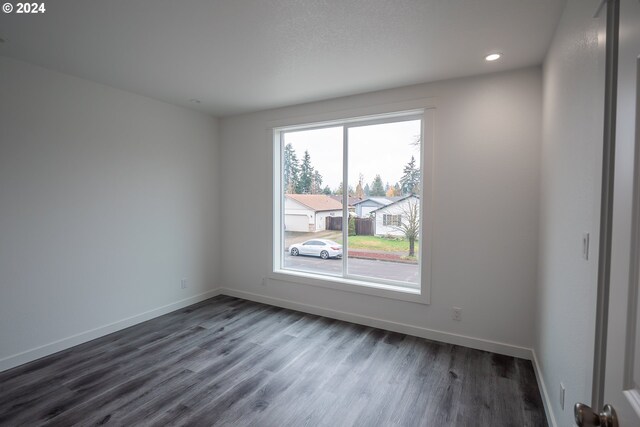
[305, 182]
[410, 181]
[290, 170]
[340, 190]
[352, 226]
[367, 190]
[326, 191]
[316, 183]
[377, 187]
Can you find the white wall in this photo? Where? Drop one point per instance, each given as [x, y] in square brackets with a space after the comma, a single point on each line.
[485, 215]
[107, 200]
[321, 219]
[366, 211]
[402, 208]
[570, 206]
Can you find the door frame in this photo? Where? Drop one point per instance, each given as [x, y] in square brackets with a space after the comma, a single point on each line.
[606, 201]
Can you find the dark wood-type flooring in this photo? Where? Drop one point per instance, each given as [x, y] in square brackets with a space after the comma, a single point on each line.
[231, 362]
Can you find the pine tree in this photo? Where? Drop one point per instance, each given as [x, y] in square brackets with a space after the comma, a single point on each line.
[340, 190]
[410, 181]
[316, 183]
[377, 187]
[326, 191]
[290, 170]
[305, 182]
[367, 190]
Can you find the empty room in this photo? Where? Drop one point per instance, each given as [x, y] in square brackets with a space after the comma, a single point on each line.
[320, 213]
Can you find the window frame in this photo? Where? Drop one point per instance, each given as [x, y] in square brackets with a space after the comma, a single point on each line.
[425, 109]
[392, 220]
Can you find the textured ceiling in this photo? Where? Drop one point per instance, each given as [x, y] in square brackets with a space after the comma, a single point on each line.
[245, 55]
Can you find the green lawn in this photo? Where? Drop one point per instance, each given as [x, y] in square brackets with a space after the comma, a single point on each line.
[378, 244]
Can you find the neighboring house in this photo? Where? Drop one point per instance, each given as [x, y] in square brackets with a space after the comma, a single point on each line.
[352, 201]
[308, 212]
[389, 217]
[365, 206]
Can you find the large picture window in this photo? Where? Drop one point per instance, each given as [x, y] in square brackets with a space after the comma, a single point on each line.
[349, 198]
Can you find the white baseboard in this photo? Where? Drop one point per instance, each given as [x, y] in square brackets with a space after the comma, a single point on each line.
[431, 334]
[56, 346]
[548, 409]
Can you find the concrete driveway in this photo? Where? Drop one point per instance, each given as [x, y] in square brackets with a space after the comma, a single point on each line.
[363, 267]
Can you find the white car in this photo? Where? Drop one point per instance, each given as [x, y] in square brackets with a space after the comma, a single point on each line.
[323, 248]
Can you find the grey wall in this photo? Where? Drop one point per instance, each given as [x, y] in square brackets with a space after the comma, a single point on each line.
[570, 197]
[485, 214]
[107, 200]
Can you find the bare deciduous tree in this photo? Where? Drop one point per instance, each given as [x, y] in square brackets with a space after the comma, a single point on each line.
[410, 223]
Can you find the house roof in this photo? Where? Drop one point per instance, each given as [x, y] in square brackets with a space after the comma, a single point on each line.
[352, 200]
[384, 201]
[398, 200]
[316, 202]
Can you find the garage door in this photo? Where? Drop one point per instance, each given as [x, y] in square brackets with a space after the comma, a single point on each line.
[296, 223]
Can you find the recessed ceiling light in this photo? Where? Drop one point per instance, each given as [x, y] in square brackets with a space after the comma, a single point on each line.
[195, 101]
[492, 57]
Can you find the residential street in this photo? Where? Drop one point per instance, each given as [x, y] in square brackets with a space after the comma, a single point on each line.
[381, 269]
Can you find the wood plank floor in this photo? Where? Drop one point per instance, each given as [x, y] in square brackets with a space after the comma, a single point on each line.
[232, 362]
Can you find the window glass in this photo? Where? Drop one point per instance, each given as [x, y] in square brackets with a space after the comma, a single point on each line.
[384, 165]
[311, 175]
[375, 236]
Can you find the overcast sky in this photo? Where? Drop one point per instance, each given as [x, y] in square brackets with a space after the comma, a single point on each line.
[377, 149]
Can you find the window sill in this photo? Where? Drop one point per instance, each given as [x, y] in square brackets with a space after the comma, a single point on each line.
[350, 285]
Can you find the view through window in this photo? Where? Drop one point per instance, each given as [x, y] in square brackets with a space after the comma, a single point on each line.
[368, 228]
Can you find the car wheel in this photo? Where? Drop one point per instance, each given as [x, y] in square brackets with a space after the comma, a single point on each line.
[324, 255]
[294, 251]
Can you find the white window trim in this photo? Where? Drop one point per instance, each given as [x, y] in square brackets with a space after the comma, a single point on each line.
[427, 109]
